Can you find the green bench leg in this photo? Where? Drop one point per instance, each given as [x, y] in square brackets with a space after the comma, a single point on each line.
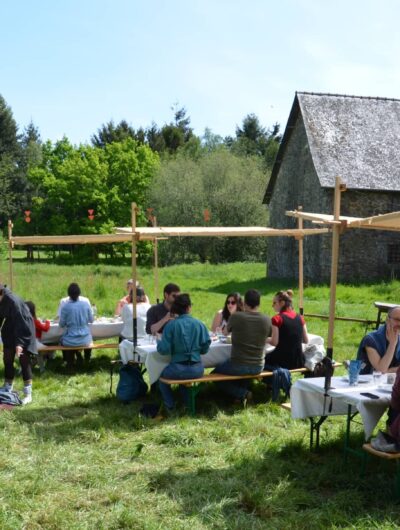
[193, 391]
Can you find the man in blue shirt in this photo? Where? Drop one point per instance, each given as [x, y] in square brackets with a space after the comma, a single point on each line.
[185, 338]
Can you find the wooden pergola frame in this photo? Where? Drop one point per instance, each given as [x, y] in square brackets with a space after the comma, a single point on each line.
[134, 234]
[340, 223]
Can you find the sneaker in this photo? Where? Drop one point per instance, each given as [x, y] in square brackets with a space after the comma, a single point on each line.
[27, 399]
[6, 388]
[385, 443]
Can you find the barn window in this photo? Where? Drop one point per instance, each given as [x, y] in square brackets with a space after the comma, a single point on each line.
[394, 253]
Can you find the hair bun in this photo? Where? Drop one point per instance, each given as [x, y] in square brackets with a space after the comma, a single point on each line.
[289, 292]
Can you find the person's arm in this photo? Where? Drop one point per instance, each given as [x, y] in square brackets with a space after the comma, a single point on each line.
[155, 328]
[379, 363]
[42, 326]
[164, 346]
[217, 321]
[305, 334]
[274, 338]
[90, 315]
[205, 340]
[62, 323]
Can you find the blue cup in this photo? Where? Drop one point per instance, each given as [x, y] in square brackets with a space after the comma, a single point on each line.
[354, 372]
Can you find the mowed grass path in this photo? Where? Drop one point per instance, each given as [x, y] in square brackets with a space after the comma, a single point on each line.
[76, 458]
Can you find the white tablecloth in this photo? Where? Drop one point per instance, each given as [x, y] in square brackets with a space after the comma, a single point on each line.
[155, 363]
[102, 328]
[307, 400]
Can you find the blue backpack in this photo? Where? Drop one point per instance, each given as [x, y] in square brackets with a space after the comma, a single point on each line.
[9, 397]
[131, 385]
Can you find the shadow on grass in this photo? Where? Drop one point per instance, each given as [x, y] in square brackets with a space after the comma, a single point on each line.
[283, 487]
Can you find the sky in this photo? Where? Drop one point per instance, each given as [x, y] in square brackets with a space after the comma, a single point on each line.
[70, 66]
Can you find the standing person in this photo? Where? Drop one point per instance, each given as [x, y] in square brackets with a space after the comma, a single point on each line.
[289, 331]
[160, 314]
[75, 318]
[185, 338]
[250, 330]
[141, 311]
[233, 303]
[18, 336]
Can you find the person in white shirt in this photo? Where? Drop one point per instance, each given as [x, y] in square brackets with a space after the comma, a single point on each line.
[141, 312]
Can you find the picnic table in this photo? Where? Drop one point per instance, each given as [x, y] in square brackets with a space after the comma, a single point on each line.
[155, 363]
[101, 328]
[308, 400]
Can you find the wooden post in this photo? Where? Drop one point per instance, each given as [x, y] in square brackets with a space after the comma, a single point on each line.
[10, 256]
[155, 248]
[334, 264]
[301, 270]
[134, 276]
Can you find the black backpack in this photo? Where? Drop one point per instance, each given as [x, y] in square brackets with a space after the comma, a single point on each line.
[131, 385]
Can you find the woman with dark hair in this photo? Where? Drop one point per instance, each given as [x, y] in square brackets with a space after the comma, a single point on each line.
[75, 318]
[289, 331]
[184, 338]
[232, 304]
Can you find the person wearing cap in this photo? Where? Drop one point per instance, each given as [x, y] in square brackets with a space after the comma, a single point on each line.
[125, 299]
[160, 314]
[141, 311]
[18, 336]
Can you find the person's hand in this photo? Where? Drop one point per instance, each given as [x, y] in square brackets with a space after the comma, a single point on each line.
[392, 332]
[18, 351]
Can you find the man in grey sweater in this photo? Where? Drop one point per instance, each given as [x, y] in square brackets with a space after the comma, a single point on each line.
[250, 330]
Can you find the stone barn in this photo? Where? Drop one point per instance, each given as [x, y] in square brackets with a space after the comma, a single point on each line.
[329, 135]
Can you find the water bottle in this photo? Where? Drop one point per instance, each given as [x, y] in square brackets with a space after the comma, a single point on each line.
[94, 310]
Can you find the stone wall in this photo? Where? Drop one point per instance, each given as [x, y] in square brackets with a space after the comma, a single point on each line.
[363, 254]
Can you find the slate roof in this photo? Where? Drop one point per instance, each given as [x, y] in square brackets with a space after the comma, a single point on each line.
[357, 138]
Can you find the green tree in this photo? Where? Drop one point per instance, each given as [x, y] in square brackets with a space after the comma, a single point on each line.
[254, 139]
[72, 180]
[109, 133]
[228, 186]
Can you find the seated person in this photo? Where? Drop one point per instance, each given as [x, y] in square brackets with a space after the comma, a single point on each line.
[75, 318]
[125, 299]
[380, 349]
[394, 410]
[289, 331]
[184, 338]
[141, 311]
[159, 315]
[250, 330]
[40, 327]
[233, 303]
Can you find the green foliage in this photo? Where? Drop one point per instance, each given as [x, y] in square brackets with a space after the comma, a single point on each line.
[228, 186]
[71, 180]
[253, 139]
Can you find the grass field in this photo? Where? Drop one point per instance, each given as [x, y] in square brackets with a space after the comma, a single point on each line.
[77, 459]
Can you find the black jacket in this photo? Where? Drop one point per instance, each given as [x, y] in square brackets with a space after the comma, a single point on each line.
[17, 324]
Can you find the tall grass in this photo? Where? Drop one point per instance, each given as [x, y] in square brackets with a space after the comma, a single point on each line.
[77, 459]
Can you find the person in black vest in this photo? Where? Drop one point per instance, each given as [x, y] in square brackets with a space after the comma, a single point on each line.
[18, 336]
[289, 331]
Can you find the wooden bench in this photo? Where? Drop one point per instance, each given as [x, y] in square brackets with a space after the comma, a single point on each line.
[386, 456]
[92, 346]
[193, 385]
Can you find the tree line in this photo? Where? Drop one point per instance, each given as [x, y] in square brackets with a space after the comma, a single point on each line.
[171, 173]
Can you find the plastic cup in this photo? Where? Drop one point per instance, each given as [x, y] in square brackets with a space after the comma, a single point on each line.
[354, 371]
[376, 377]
